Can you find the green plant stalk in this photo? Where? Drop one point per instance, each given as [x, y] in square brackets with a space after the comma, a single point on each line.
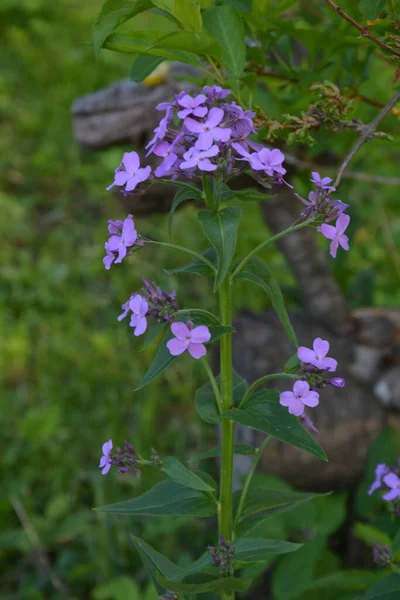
[249, 477]
[263, 380]
[228, 429]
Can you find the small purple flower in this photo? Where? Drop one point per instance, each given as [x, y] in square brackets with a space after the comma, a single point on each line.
[139, 308]
[216, 91]
[336, 234]
[338, 382]
[187, 338]
[105, 460]
[200, 159]
[334, 209]
[165, 150]
[322, 182]
[129, 173]
[242, 119]
[317, 356]
[300, 397]
[381, 554]
[161, 130]
[209, 130]
[125, 308]
[393, 482]
[120, 243]
[109, 257]
[380, 471]
[192, 106]
[269, 161]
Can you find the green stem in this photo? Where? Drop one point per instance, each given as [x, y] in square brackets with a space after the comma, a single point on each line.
[228, 428]
[270, 240]
[199, 311]
[213, 382]
[249, 477]
[262, 380]
[183, 249]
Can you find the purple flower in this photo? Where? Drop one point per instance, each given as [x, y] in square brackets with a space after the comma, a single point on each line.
[165, 150]
[161, 130]
[129, 173]
[242, 119]
[322, 183]
[300, 397]
[381, 554]
[120, 243]
[317, 356]
[192, 106]
[393, 482]
[187, 338]
[209, 130]
[336, 234]
[380, 471]
[139, 308]
[199, 158]
[109, 258]
[125, 308]
[269, 161]
[335, 209]
[337, 382]
[105, 460]
[216, 91]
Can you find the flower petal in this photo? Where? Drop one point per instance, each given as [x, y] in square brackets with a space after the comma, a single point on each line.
[196, 350]
[296, 407]
[107, 447]
[106, 469]
[180, 330]
[306, 355]
[194, 126]
[141, 326]
[301, 388]
[333, 248]
[342, 223]
[131, 162]
[177, 347]
[221, 134]
[328, 231]
[135, 304]
[129, 233]
[312, 399]
[344, 241]
[200, 334]
[214, 117]
[329, 364]
[206, 165]
[144, 307]
[286, 398]
[320, 347]
[391, 495]
[204, 141]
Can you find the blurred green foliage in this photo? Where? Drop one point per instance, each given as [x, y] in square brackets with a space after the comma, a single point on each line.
[67, 367]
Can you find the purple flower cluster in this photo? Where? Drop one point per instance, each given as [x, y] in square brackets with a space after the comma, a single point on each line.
[321, 203]
[223, 556]
[304, 394]
[151, 302]
[128, 174]
[381, 554]
[387, 478]
[201, 133]
[126, 459]
[122, 241]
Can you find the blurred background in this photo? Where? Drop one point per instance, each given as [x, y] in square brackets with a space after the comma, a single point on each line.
[68, 368]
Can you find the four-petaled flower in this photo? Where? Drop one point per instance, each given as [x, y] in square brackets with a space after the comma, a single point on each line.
[393, 482]
[200, 159]
[105, 460]
[322, 182]
[129, 173]
[300, 397]
[192, 106]
[208, 131]
[380, 471]
[165, 150]
[269, 161]
[336, 234]
[139, 307]
[120, 243]
[187, 338]
[317, 356]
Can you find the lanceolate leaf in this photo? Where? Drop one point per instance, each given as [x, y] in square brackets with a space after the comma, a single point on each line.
[226, 27]
[186, 12]
[371, 9]
[181, 195]
[388, 589]
[113, 14]
[197, 266]
[249, 550]
[204, 582]
[206, 403]
[133, 44]
[143, 66]
[176, 471]
[155, 562]
[242, 449]
[264, 413]
[221, 230]
[166, 499]
[257, 272]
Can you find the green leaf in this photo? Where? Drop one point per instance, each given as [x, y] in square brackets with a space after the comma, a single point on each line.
[264, 413]
[371, 9]
[155, 562]
[346, 580]
[221, 230]
[293, 364]
[253, 550]
[199, 43]
[186, 12]
[206, 403]
[224, 25]
[197, 266]
[153, 335]
[176, 471]
[167, 498]
[396, 543]
[388, 589]
[181, 195]
[247, 195]
[203, 582]
[257, 272]
[143, 66]
[242, 449]
[133, 44]
[113, 14]
[163, 359]
[369, 534]
[240, 5]
[119, 588]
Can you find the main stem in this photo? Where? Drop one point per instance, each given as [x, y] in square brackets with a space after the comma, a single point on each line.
[228, 428]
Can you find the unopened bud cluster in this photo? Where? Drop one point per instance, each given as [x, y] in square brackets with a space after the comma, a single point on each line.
[381, 554]
[223, 556]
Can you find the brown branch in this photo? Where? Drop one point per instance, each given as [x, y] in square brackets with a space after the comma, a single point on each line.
[367, 133]
[364, 30]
